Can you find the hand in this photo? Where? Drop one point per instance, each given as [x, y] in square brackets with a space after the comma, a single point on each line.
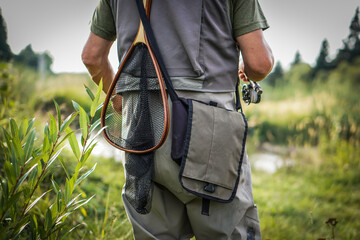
[241, 72]
[243, 76]
[116, 102]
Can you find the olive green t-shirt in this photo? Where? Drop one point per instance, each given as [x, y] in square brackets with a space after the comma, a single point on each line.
[245, 16]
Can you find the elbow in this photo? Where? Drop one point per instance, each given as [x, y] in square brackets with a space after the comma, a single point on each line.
[90, 59]
[260, 68]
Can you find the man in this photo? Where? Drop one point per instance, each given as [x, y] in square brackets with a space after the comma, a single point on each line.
[200, 43]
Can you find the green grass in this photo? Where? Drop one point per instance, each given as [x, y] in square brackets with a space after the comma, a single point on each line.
[319, 118]
[295, 204]
[106, 218]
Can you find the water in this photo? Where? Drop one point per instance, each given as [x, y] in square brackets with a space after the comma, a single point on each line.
[104, 149]
[267, 162]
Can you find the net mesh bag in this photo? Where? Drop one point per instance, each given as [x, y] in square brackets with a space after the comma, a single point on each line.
[139, 127]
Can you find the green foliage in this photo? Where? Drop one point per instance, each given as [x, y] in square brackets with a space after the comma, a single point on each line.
[106, 218]
[36, 61]
[34, 205]
[322, 61]
[276, 76]
[297, 202]
[321, 112]
[297, 58]
[5, 52]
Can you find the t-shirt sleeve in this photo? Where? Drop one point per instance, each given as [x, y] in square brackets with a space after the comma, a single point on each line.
[247, 17]
[102, 23]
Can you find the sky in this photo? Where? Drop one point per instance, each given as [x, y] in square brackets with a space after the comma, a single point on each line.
[61, 28]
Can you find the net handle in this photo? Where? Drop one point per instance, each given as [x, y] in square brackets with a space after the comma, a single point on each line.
[153, 44]
[139, 39]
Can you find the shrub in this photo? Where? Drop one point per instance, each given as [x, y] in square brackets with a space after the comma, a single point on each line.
[32, 204]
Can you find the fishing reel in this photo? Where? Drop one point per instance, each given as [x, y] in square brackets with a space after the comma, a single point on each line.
[251, 92]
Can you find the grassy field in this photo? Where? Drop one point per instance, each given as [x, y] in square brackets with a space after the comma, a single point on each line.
[315, 124]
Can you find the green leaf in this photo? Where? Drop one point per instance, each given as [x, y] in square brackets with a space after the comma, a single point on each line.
[68, 232]
[59, 201]
[55, 185]
[33, 226]
[76, 106]
[95, 125]
[30, 125]
[64, 167]
[48, 220]
[19, 152]
[32, 160]
[68, 190]
[64, 138]
[96, 135]
[82, 141]
[29, 144]
[82, 204]
[22, 130]
[89, 92]
[47, 131]
[14, 128]
[68, 121]
[106, 207]
[73, 143]
[95, 101]
[53, 158]
[58, 113]
[20, 226]
[53, 129]
[21, 180]
[72, 201]
[35, 201]
[33, 177]
[62, 217]
[86, 155]
[85, 175]
[10, 172]
[54, 213]
[84, 122]
[12, 201]
[7, 139]
[46, 145]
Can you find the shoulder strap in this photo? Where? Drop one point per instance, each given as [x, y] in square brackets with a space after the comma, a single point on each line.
[153, 44]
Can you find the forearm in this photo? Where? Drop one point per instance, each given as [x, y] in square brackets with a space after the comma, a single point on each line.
[95, 57]
[262, 68]
[257, 56]
[101, 71]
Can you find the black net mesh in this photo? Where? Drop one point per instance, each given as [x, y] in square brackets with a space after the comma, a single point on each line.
[142, 115]
[139, 127]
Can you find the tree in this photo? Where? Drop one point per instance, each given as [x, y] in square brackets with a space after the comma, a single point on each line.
[28, 57]
[322, 60]
[297, 58]
[354, 36]
[276, 75]
[41, 62]
[5, 52]
[351, 48]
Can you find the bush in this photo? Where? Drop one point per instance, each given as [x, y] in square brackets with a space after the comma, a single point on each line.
[33, 205]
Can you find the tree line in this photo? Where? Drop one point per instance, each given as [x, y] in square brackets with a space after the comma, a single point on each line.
[27, 56]
[348, 53]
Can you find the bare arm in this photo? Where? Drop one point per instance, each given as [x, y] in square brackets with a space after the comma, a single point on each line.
[257, 56]
[95, 57]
